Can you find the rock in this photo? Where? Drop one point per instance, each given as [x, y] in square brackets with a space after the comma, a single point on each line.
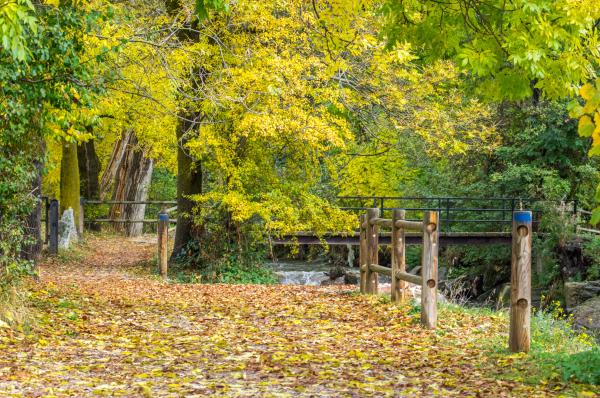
[66, 229]
[351, 278]
[415, 293]
[578, 292]
[330, 282]
[587, 315]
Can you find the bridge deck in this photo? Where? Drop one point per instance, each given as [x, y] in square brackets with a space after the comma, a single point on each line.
[446, 238]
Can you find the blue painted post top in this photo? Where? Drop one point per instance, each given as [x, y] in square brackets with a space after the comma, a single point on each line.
[163, 217]
[522, 216]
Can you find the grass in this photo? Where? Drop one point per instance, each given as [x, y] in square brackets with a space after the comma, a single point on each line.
[559, 354]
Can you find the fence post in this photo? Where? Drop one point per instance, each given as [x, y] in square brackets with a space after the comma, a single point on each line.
[520, 279]
[81, 217]
[398, 291]
[429, 270]
[53, 227]
[163, 238]
[371, 278]
[363, 253]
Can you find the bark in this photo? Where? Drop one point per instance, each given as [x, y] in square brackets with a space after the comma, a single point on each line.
[128, 177]
[189, 170]
[89, 172]
[69, 180]
[189, 182]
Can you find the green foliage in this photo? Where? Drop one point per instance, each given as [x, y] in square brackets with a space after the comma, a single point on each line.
[558, 349]
[509, 48]
[200, 262]
[582, 366]
[46, 77]
[203, 6]
[16, 20]
[591, 250]
[163, 185]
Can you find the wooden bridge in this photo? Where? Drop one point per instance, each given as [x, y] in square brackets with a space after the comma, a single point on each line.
[462, 220]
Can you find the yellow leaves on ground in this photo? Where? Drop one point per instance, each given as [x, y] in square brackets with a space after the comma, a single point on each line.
[104, 329]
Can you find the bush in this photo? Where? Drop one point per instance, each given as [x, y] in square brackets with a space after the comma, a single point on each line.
[582, 366]
[196, 264]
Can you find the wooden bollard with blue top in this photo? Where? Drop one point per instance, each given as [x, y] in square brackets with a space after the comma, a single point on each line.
[520, 294]
[163, 240]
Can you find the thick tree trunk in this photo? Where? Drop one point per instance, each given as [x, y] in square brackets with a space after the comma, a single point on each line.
[69, 180]
[128, 176]
[89, 172]
[189, 182]
[189, 170]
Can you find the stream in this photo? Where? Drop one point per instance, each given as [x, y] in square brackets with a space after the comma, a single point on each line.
[298, 272]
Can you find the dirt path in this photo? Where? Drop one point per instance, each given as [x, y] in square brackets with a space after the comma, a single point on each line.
[107, 327]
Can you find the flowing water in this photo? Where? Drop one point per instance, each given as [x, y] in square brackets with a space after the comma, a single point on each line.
[297, 272]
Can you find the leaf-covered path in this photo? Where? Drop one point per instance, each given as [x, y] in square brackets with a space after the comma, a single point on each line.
[108, 327]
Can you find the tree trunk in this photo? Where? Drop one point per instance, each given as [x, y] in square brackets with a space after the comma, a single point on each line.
[189, 182]
[89, 172]
[128, 176]
[69, 180]
[189, 170]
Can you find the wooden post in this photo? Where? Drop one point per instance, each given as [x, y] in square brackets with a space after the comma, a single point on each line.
[363, 253]
[398, 291]
[371, 278]
[520, 279]
[81, 217]
[429, 270]
[53, 227]
[163, 238]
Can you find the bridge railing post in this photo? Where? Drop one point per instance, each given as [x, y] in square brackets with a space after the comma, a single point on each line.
[398, 289]
[520, 292]
[363, 250]
[371, 278]
[163, 240]
[429, 270]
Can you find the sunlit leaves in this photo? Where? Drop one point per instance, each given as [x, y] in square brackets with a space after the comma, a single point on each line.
[589, 123]
[552, 45]
[16, 19]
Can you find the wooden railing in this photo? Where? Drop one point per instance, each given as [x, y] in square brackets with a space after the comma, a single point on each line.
[370, 225]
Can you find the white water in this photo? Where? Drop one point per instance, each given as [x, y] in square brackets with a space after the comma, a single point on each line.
[301, 272]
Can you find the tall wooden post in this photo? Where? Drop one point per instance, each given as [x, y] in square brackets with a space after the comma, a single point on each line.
[398, 291]
[81, 218]
[53, 227]
[371, 278]
[520, 279]
[429, 270]
[363, 263]
[163, 239]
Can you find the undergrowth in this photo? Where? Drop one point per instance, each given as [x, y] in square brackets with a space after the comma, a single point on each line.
[193, 265]
[559, 354]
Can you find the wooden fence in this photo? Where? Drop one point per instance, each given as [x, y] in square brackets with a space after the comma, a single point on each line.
[370, 225]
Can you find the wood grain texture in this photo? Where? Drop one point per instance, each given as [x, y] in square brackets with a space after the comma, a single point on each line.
[520, 298]
[371, 278]
[399, 286]
[429, 271]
